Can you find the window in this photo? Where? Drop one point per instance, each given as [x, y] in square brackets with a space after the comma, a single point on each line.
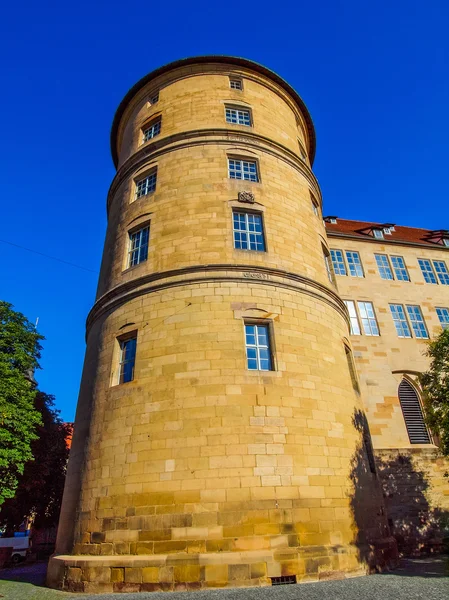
[127, 359]
[400, 321]
[248, 231]
[443, 315]
[302, 151]
[147, 185]
[152, 130]
[354, 264]
[258, 351]
[378, 234]
[154, 98]
[235, 83]
[339, 262]
[413, 415]
[351, 367]
[354, 321]
[400, 270]
[446, 242]
[238, 116]
[383, 265]
[417, 321]
[138, 246]
[315, 208]
[427, 271]
[387, 230]
[243, 169]
[327, 264]
[442, 272]
[369, 322]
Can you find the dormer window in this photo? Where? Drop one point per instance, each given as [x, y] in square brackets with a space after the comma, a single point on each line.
[332, 220]
[378, 234]
[387, 230]
[446, 242]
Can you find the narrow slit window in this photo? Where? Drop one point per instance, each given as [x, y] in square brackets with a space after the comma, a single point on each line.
[413, 414]
[152, 130]
[383, 265]
[339, 262]
[354, 264]
[442, 272]
[369, 322]
[138, 246]
[427, 270]
[443, 316]
[146, 186]
[417, 321]
[238, 116]
[353, 319]
[400, 321]
[242, 169]
[248, 231]
[352, 369]
[127, 359]
[400, 270]
[328, 265]
[258, 349]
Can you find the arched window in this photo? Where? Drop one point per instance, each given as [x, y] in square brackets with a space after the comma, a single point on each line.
[413, 415]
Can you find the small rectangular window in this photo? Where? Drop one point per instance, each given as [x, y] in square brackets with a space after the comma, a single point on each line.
[258, 350]
[442, 272]
[417, 321]
[152, 130]
[383, 265]
[400, 270]
[315, 208]
[339, 262]
[235, 83]
[400, 321]
[354, 321]
[302, 151]
[127, 359]
[154, 98]
[138, 246]
[248, 231]
[427, 271]
[443, 315]
[243, 169]
[354, 264]
[238, 116]
[146, 186]
[378, 234]
[369, 322]
[446, 242]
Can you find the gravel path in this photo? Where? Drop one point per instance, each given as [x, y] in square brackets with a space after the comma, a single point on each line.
[423, 579]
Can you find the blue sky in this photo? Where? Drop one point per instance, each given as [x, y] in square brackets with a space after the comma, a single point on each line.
[374, 76]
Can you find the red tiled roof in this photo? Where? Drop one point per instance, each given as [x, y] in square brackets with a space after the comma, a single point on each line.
[364, 230]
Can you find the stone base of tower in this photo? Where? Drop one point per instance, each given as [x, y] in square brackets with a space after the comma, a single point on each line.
[183, 571]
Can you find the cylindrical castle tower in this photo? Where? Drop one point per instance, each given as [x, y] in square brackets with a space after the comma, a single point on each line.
[216, 439]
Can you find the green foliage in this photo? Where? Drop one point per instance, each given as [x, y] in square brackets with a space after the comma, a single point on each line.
[40, 488]
[435, 386]
[19, 354]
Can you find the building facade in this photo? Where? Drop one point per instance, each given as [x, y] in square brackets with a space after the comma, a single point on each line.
[221, 437]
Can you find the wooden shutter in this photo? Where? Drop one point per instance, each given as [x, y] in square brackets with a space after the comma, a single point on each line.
[413, 415]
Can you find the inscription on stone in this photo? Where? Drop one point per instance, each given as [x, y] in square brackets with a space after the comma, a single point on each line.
[252, 275]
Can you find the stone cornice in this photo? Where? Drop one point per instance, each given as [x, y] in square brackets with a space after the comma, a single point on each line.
[162, 145]
[197, 274]
[384, 241]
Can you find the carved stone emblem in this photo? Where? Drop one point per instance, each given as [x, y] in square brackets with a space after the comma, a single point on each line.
[246, 197]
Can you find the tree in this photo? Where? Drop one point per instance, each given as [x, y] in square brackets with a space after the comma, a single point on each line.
[435, 386]
[39, 491]
[19, 353]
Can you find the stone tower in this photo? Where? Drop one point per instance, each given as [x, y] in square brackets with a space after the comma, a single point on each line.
[218, 437]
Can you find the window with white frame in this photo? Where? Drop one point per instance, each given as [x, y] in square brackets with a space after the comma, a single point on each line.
[446, 242]
[152, 129]
[378, 234]
[400, 321]
[147, 185]
[238, 116]
[339, 262]
[417, 321]
[442, 272]
[243, 169]
[127, 358]
[368, 318]
[354, 264]
[235, 83]
[443, 316]
[258, 347]
[138, 246]
[400, 270]
[248, 231]
[427, 270]
[353, 318]
[383, 265]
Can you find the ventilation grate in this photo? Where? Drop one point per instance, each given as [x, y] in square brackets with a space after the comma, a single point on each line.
[284, 580]
[413, 415]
